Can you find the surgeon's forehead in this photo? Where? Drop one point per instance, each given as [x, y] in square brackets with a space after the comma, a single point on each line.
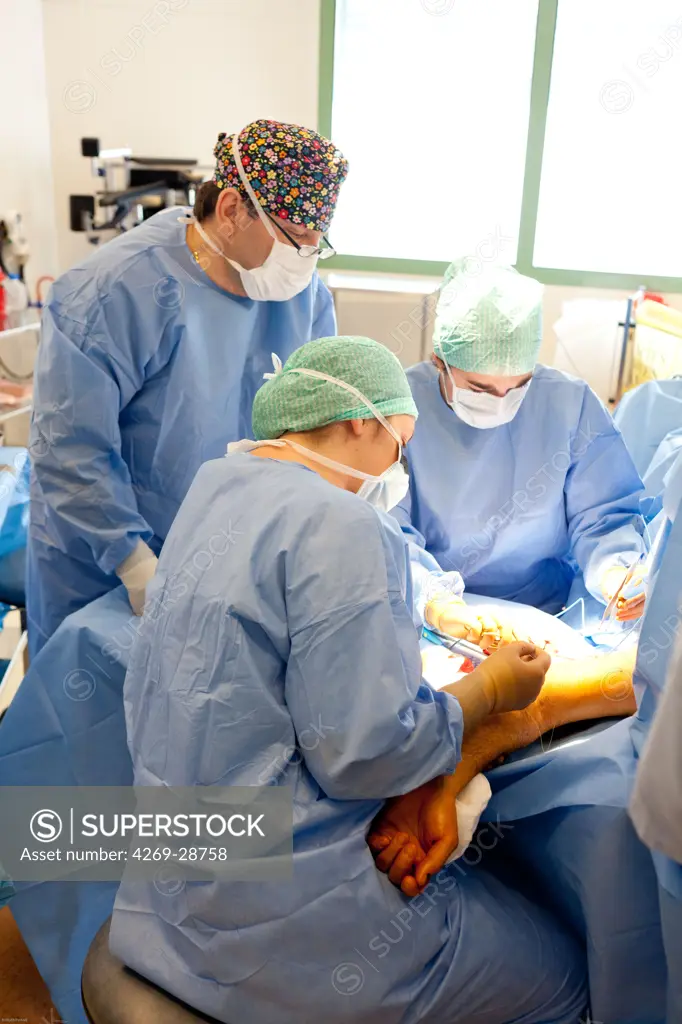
[484, 379]
[488, 380]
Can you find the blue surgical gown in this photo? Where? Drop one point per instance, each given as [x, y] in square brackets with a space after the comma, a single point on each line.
[520, 509]
[646, 415]
[145, 370]
[657, 801]
[279, 611]
[650, 420]
[656, 738]
[665, 457]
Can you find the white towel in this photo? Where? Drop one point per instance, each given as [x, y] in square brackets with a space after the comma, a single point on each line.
[471, 803]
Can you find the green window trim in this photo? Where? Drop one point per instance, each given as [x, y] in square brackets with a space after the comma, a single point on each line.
[542, 73]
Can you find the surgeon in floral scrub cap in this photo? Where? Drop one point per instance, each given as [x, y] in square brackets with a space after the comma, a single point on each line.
[268, 207]
[152, 351]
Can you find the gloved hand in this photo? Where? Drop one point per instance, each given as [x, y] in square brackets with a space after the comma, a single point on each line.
[633, 596]
[136, 572]
[454, 617]
[513, 677]
[478, 626]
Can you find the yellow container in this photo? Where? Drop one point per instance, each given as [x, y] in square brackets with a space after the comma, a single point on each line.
[657, 352]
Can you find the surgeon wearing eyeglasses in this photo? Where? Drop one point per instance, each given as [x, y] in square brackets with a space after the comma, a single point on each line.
[152, 351]
[520, 483]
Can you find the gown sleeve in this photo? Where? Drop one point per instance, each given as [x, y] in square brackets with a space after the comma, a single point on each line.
[424, 567]
[656, 807]
[354, 672]
[602, 493]
[91, 363]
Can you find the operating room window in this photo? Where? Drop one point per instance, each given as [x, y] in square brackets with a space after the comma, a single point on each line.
[613, 124]
[431, 102]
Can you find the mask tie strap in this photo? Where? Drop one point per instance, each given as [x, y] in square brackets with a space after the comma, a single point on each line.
[358, 394]
[304, 371]
[277, 365]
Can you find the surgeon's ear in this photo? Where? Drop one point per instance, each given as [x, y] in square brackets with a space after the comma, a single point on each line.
[226, 213]
[245, 218]
[437, 362]
[363, 427]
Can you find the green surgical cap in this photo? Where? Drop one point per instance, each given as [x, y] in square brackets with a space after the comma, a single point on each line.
[294, 402]
[488, 320]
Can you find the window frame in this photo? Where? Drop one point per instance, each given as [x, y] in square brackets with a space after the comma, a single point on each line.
[539, 102]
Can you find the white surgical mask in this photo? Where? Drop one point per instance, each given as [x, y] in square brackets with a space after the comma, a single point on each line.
[479, 409]
[285, 272]
[383, 492]
[389, 489]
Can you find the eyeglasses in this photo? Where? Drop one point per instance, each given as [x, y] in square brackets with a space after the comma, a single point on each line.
[323, 253]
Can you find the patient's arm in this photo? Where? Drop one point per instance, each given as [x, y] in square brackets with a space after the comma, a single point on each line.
[574, 691]
[414, 835]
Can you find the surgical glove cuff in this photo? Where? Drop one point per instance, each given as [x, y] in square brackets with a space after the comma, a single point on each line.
[440, 607]
[443, 586]
[135, 572]
[139, 567]
[439, 591]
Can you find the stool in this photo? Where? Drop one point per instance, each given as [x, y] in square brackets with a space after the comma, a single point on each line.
[113, 994]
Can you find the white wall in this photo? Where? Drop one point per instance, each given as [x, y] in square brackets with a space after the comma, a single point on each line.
[25, 158]
[166, 76]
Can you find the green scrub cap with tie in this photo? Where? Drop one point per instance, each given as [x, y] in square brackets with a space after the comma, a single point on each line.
[299, 396]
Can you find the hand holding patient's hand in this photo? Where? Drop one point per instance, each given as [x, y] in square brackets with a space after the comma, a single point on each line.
[412, 838]
[458, 620]
[513, 676]
[475, 624]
